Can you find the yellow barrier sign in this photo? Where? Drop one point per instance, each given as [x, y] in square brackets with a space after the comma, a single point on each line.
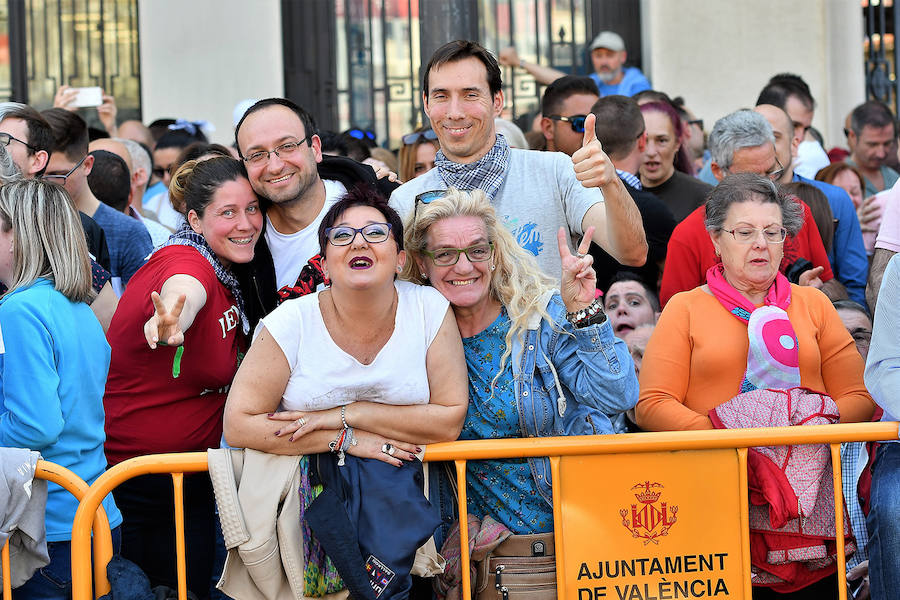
[655, 526]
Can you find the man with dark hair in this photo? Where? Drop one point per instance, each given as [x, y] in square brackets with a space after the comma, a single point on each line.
[620, 128]
[128, 240]
[28, 139]
[535, 193]
[791, 94]
[608, 58]
[279, 143]
[564, 107]
[871, 135]
[110, 180]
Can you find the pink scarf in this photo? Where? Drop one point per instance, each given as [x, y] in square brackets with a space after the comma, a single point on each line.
[773, 357]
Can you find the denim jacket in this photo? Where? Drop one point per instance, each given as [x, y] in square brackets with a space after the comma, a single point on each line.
[568, 381]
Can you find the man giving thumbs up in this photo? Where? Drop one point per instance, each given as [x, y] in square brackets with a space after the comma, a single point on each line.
[535, 193]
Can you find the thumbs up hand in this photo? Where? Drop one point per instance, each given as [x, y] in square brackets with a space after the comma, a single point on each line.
[593, 168]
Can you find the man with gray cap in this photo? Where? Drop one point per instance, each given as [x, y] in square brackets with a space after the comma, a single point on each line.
[608, 59]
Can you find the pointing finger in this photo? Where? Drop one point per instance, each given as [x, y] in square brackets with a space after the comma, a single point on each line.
[590, 132]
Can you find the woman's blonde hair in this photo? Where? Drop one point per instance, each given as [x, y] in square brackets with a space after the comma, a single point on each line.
[48, 240]
[516, 282]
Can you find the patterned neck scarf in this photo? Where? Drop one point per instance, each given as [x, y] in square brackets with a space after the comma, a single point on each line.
[185, 236]
[486, 174]
[773, 359]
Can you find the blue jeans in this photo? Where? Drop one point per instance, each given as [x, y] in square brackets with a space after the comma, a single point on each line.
[54, 582]
[883, 524]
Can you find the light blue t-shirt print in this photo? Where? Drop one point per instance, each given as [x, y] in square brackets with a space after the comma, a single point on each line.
[527, 235]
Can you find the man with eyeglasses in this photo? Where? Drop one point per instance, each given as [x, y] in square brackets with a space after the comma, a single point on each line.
[128, 239]
[534, 193]
[279, 144]
[29, 141]
[847, 256]
[743, 142]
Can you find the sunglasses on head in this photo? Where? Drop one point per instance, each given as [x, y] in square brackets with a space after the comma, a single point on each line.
[361, 134]
[576, 121]
[413, 138]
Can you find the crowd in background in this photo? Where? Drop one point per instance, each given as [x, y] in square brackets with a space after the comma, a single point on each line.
[610, 266]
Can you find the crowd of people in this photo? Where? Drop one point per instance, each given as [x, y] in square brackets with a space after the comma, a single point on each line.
[615, 268]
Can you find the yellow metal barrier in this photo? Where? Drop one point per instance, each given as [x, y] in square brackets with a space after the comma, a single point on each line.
[177, 465]
[76, 486]
[714, 444]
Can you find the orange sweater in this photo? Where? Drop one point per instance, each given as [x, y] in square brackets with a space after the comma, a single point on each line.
[697, 357]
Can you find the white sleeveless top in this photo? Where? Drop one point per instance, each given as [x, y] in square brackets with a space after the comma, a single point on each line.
[323, 376]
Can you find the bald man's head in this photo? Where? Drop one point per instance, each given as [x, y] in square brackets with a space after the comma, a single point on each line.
[117, 148]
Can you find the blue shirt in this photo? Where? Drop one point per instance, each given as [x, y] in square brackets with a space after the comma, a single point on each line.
[848, 253]
[504, 489]
[633, 81]
[53, 364]
[128, 240]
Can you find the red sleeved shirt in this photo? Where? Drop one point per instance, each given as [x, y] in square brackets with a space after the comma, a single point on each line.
[148, 410]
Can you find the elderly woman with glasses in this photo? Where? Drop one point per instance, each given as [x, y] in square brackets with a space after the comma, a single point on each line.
[748, 330]
[370, 367]
[542, 361]
[417, 153]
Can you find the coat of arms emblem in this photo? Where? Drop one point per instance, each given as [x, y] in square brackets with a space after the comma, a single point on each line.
[650, 518]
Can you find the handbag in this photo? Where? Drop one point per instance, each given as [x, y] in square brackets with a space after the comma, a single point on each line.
[521, 567]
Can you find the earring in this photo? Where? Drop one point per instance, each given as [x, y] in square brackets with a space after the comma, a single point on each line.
[424, 276]
[399, 269]
[493, 267]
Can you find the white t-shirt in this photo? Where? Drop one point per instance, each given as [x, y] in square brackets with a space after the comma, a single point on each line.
[323, 376]
[291, 251]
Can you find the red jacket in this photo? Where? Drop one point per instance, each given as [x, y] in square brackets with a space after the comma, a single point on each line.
[792, 532]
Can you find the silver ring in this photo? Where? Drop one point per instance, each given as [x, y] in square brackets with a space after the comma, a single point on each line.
[579, 254]
[387, 449]
[300, 422]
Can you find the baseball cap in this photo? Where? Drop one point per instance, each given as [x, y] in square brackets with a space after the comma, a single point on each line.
[608, 39]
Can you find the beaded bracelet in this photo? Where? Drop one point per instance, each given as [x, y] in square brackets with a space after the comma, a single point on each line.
[589, 315]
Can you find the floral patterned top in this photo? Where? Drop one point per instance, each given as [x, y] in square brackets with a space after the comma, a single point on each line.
[504, 489]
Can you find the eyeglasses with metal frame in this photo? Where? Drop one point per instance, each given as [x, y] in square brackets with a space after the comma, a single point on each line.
[286, 149]
[748, 235]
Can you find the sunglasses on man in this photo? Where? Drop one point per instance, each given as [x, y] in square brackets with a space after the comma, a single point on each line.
[576, 121]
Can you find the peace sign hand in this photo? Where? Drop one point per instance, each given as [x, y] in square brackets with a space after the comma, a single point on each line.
[579, 281]
[592, 166]
[164, 325]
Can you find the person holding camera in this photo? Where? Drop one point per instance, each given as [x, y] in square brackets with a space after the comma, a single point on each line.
[743, 142]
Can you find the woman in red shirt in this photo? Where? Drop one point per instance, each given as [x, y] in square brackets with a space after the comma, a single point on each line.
[177, 338]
